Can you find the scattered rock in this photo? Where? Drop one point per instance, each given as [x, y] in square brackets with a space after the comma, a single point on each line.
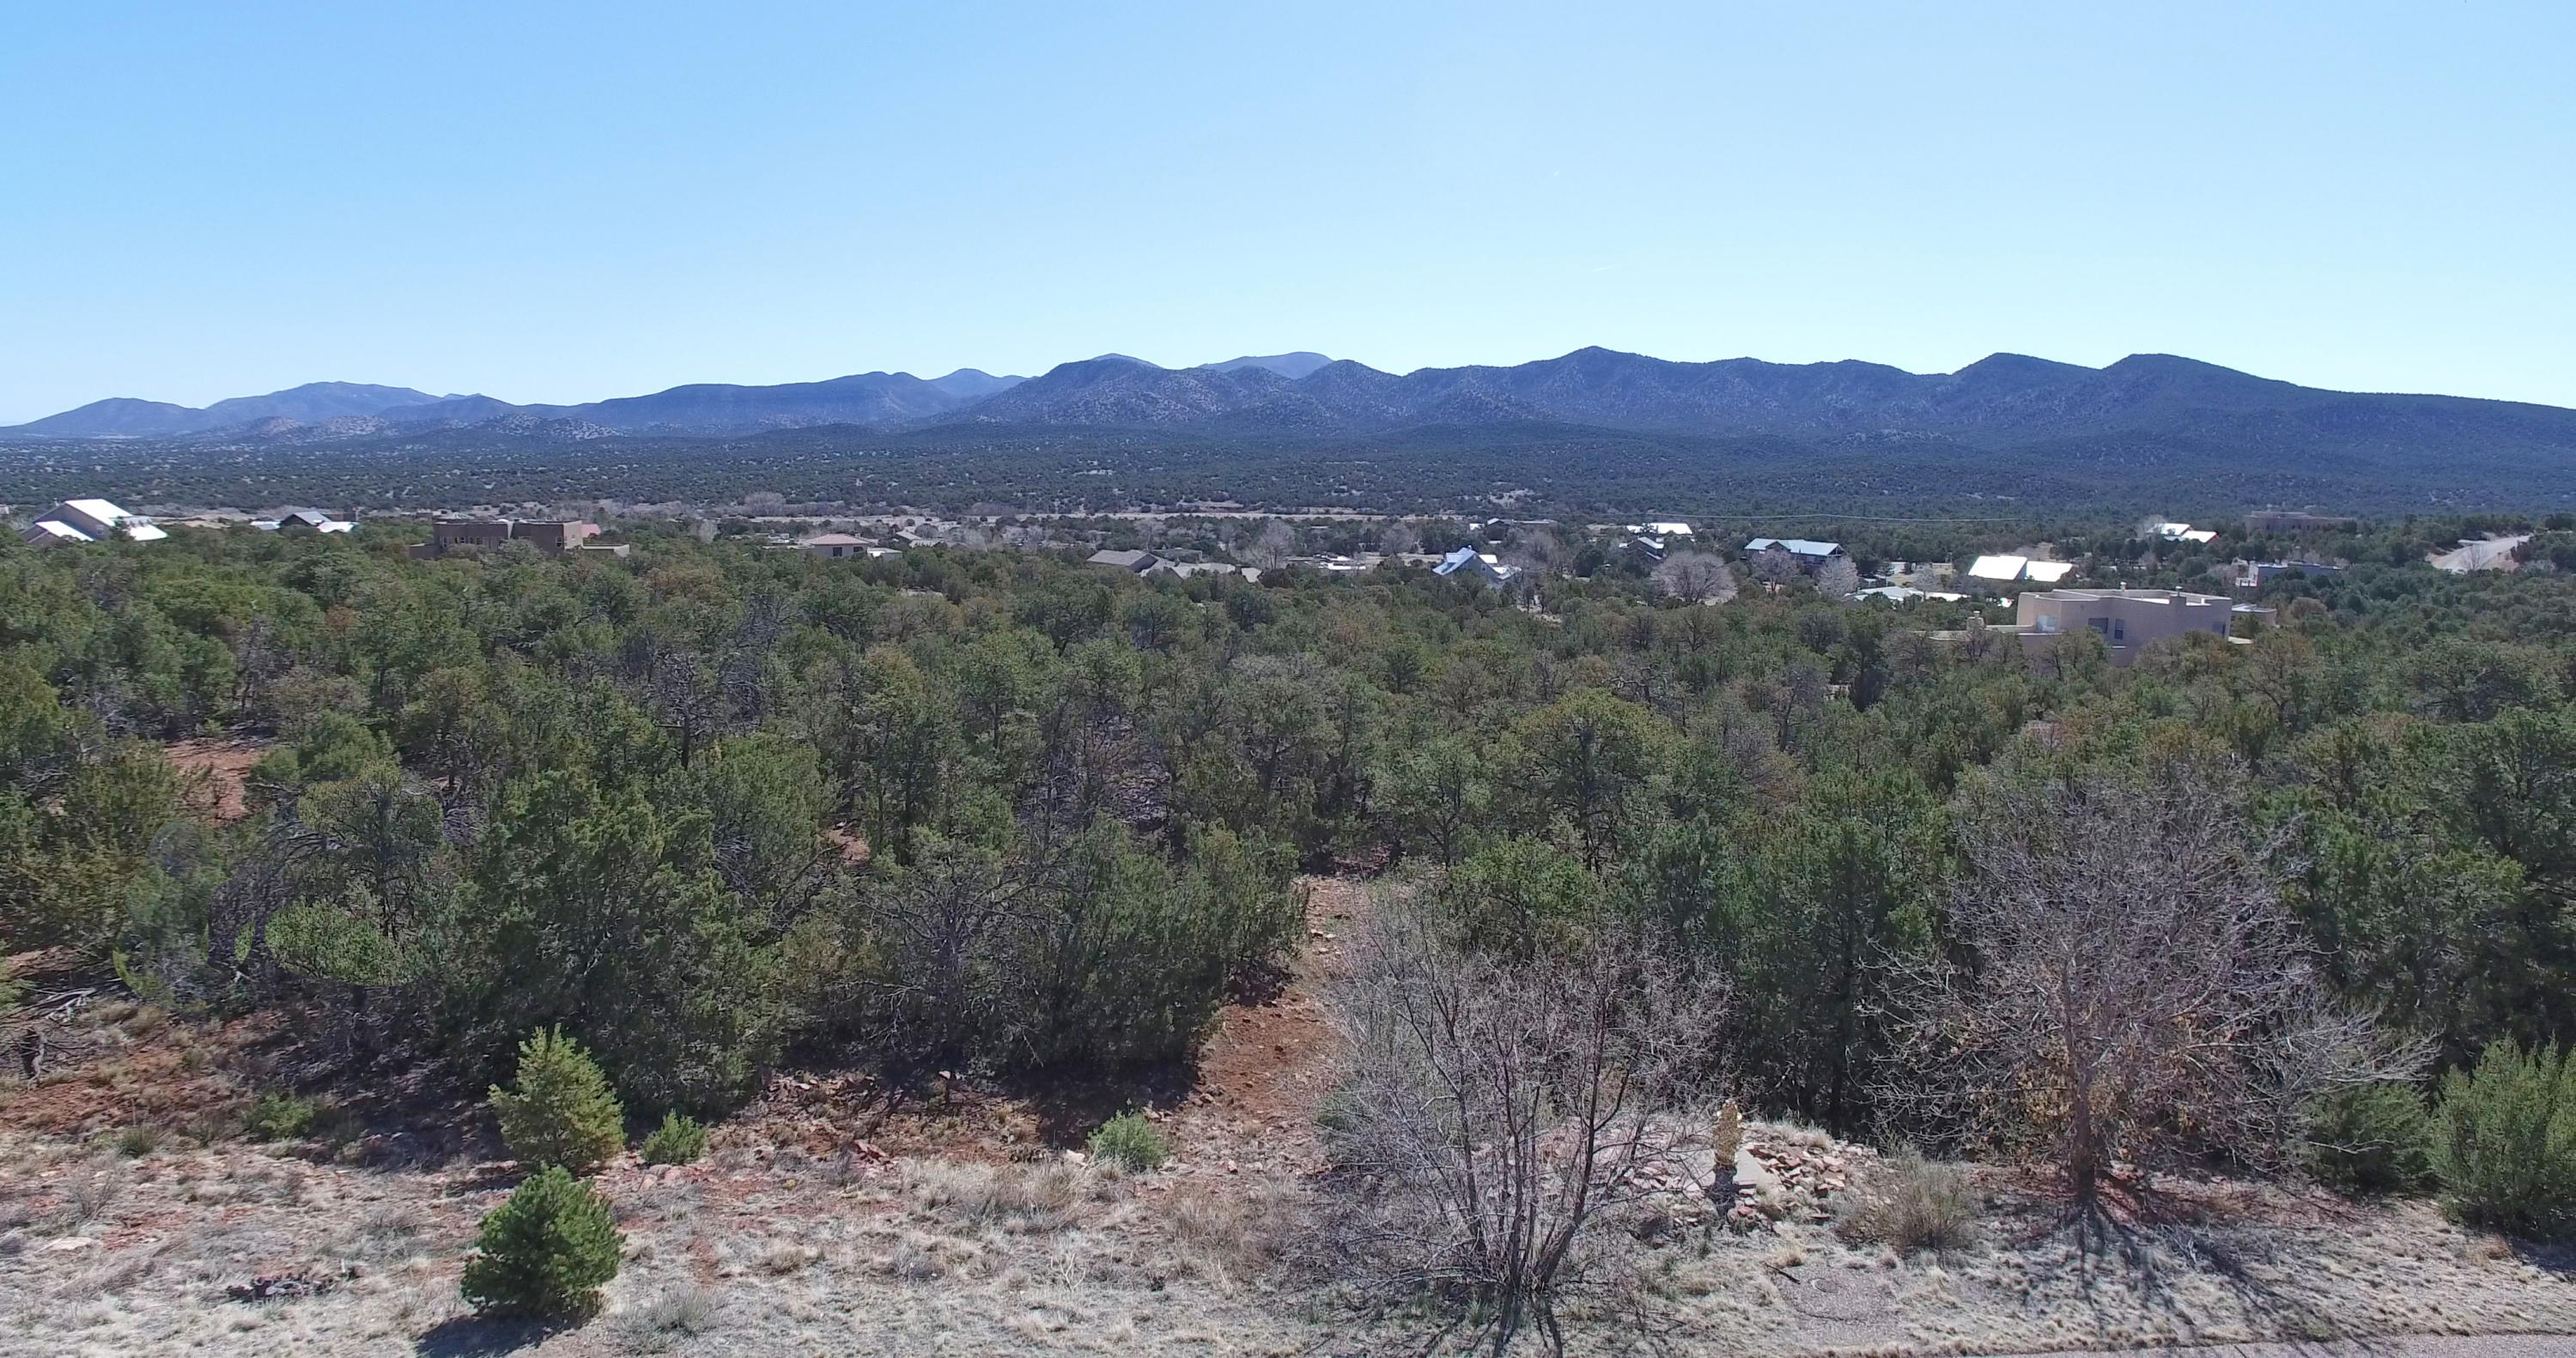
[280, 1287]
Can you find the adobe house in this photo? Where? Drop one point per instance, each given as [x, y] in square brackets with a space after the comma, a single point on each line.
[2127, 619]
[552, 538]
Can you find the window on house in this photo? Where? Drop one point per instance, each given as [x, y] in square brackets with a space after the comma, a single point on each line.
[2101, 625]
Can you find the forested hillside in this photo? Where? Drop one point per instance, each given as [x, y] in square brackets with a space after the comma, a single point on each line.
[1528, 469]
[714, 806]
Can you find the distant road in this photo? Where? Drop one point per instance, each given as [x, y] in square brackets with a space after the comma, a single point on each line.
[2486, 554]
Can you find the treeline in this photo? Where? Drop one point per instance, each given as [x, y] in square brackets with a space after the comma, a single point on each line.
[1562, 471]
[712, 807]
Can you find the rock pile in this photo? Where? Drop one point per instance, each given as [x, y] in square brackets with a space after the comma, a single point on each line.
[1779, 1178]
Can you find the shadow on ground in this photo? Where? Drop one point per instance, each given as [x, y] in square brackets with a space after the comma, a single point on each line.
[467, 1336]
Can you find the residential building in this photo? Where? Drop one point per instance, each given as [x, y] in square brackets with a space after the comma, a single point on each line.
[1132, 562]
[75, 521]
[2127, 620]
[303, 521]
[449, 534]
[1809, 555]
[1469, 564]
[1187, 569]
[834, 546]
[2005, 568]
[552, 537]
[51, 532]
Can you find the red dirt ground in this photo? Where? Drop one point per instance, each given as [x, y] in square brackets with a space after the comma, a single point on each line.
[1248, 1105]
[117, 1064]
[1269, 1065]
[214, 771]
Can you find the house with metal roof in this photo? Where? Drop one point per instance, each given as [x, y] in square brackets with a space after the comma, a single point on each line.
[1808, 551]
[1468, 563]
[89, 521]
[2003, 568]
[1134, 563]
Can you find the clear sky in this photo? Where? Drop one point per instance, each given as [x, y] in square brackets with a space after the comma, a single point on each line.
[568, 201]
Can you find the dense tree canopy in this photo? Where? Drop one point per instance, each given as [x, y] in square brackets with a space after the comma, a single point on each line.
[714, 805]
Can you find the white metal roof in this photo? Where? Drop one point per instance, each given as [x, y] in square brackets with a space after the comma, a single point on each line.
[1998, 567]
[1794, 546]
[2046, 572]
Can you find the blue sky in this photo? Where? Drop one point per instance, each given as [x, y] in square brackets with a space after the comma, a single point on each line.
[561, 202]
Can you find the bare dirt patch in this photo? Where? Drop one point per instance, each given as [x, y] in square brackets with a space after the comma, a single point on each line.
[1265, 1071]
[110, 1063]
[215, 772]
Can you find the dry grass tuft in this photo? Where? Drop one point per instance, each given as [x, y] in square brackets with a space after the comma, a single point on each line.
[1243, 1233]
[386, 1231]
[787, 1257]
[1030, 1199]
[916, 1261]
[685, 1311]
[1913, 1204]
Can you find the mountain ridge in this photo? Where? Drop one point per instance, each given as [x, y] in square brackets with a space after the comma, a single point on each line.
[2001, 400]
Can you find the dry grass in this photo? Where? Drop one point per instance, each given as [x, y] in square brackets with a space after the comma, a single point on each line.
[1052, 1256]
[682, 1312]
[1020, 1199]
[1912, 1204]
[1244, 1232]
[95, 1189]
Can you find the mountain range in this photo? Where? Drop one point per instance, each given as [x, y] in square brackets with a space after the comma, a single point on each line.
[2002, 400]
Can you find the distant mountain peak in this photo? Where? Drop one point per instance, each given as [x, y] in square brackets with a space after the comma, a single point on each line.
[974, 384]
[120, 417]
[1293, 366]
